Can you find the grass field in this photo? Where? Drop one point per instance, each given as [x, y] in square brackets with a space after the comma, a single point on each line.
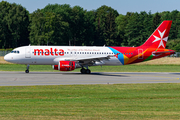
[123, 101]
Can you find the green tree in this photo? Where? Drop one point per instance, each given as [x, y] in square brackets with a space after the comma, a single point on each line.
[121, 22]
[18, 22]
[14, 25]
[146, 22]
[60, 31]
[132, 30]
[37, 28]
[4, 31]
[156, 21]
[89, 28]
[76, 25]
[63, 18]
[105, 26]
[174, 27]
[139, 28]
[178, 25]
[174, 45]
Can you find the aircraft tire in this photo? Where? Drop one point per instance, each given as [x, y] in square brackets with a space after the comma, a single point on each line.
[88, 71]
[83, 71]
[26, 71]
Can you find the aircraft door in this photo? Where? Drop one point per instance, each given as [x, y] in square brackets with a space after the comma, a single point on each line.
[140, 53]
[28, 52]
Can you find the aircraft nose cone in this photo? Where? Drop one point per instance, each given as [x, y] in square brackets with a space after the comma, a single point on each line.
[7, 58]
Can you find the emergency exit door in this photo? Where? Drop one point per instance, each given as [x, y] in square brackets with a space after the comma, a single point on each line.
[28, 53]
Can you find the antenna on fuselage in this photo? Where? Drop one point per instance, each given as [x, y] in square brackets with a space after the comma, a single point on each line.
[29, 44]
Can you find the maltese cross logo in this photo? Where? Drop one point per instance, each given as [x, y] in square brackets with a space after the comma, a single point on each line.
[162, 38]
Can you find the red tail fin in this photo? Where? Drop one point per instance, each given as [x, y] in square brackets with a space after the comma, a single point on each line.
[160, 36]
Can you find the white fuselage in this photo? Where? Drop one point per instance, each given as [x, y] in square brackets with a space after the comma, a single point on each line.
[51, 55]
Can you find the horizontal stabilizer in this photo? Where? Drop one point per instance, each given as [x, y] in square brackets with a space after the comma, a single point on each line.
[156, 53]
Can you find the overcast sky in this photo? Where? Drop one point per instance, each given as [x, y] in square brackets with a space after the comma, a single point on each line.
[122, 6]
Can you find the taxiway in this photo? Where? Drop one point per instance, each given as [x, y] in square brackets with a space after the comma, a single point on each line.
[72, 78]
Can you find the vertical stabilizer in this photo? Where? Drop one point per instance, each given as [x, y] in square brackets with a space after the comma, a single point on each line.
[160, 36]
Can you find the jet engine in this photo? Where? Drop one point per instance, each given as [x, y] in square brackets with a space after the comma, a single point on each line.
[65, 66]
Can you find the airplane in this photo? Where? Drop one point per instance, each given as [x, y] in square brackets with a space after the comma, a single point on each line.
[68, 58]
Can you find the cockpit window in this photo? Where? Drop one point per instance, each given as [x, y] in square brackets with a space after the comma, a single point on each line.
[14, 51]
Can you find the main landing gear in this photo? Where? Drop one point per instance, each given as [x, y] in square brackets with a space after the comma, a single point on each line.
[85, 71]
[27, 70]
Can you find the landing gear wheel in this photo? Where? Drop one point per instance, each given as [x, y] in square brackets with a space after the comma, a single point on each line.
[83, 71]
[88, 71]
[26, 71]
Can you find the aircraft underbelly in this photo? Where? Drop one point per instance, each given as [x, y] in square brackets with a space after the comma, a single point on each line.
[38, 61]
[112, 61]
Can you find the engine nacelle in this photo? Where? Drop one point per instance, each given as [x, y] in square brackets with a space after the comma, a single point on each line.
[65, 66]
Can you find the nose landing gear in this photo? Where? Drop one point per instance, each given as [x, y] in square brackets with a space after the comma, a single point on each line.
[27, 70]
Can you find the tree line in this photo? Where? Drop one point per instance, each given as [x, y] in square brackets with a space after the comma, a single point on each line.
[65, 25]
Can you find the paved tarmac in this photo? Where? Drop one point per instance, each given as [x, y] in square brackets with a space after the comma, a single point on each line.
[71, 78]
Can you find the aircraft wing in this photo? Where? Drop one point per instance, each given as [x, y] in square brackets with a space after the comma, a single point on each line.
[86, 60]
[93, 58]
